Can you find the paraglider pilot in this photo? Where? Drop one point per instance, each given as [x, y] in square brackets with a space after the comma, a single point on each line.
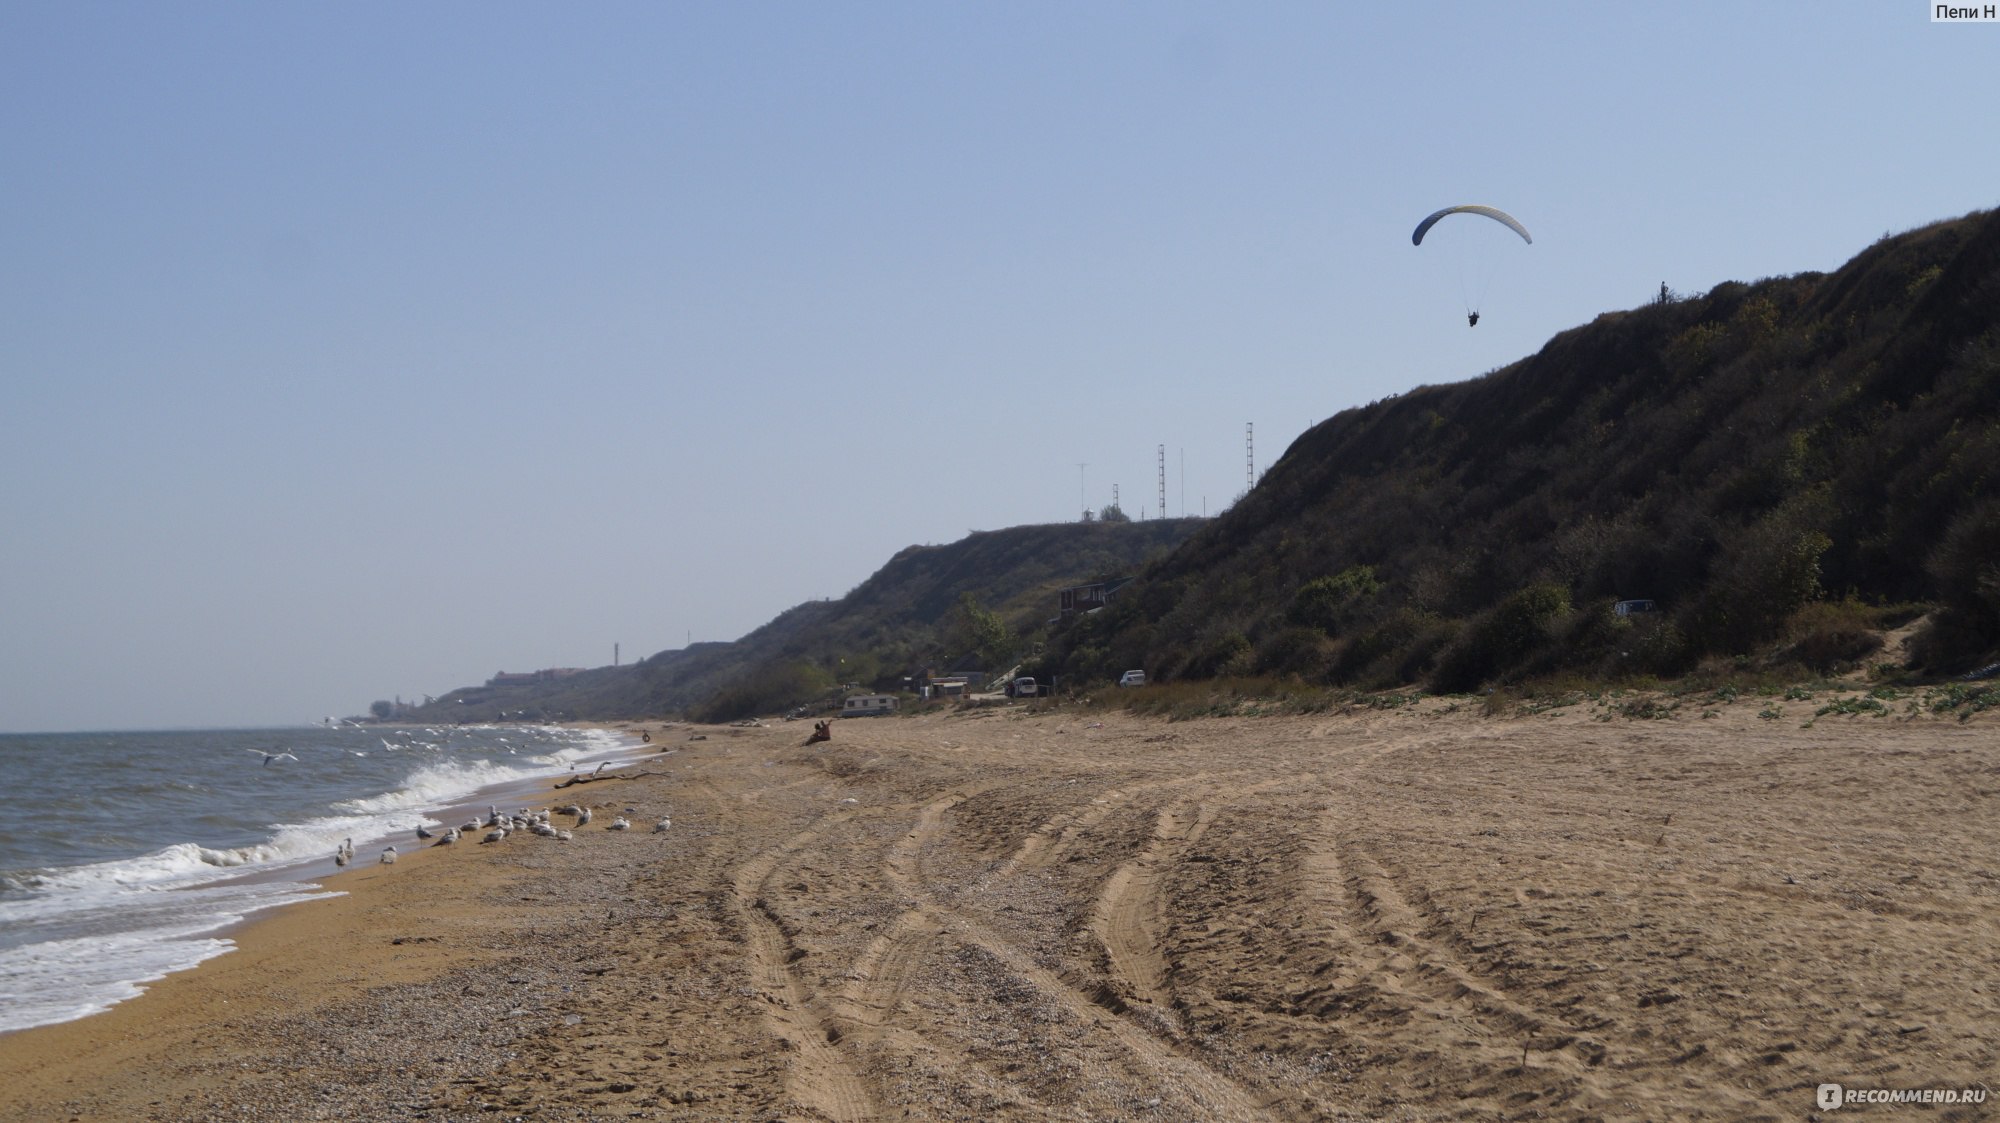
[1472, 319]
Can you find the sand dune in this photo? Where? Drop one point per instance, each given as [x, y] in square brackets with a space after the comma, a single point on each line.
[1417, 913]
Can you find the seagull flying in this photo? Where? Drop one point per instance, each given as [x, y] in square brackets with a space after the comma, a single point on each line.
[269, 757]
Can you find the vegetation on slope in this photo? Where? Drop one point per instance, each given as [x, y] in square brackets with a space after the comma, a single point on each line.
[1779, 466]
[981, 602]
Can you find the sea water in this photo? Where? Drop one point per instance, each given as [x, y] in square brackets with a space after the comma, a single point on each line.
[127, 856]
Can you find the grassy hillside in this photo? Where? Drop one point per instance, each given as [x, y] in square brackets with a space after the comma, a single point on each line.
[983, 602]
[1776, 465]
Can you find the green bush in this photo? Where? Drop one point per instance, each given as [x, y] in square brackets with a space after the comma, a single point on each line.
[1326, 602]
[1296, 652]
[1501, 640]
[1966, 569]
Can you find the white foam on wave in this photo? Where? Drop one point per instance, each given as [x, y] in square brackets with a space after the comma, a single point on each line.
[430, 785]
[68, 976]
[77, 940]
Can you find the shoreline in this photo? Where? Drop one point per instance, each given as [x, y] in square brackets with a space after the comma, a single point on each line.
[1414, 914]
[227, 900]
[406, 925]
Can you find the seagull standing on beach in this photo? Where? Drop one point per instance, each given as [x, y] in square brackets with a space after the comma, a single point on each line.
[422, 833]
[388, 855]
[269, 757]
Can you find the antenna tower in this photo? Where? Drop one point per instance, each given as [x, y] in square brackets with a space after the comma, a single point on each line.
[1249, 456]
[1163, 481]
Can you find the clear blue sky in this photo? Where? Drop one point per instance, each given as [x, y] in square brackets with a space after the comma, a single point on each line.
[364, 349]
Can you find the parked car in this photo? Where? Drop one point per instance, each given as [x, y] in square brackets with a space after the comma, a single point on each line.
[1132, 678]
[1023, 687]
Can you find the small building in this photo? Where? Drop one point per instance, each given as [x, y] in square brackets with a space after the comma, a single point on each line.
[864, 705]
[1079, 599]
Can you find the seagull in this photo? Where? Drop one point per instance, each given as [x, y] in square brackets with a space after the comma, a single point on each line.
[388, 855]
[495, 835]
[619, 825]
[492, 815]
[422, 833]
[450, 837]
[269, 757]
[662, 825]
[583, 817]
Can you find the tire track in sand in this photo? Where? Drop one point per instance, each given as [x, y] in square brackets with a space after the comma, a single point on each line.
[819, 1078]
[881, 976]
[1128, 922]
[884, 971]
[1047, 843]
[1127, 918]
[1217, 1094]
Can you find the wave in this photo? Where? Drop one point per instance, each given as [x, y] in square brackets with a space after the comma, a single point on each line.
[62, 969]
[431, 784]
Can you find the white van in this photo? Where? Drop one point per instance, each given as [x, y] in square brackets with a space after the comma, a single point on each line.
[1023, 687]
[1132, 678]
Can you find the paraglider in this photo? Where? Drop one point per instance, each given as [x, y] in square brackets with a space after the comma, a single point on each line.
[1494, 213]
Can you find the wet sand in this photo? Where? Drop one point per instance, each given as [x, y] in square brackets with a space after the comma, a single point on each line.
[1416, 913]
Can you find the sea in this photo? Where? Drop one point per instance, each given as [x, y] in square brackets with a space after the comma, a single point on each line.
[129, 856]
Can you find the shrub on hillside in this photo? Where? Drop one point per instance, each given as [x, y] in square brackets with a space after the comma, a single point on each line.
[1966, 569]
[1325, 603]
[1294, 652]
[767, 689]
[1830, 637]
[1501, 639]
[1225, 654]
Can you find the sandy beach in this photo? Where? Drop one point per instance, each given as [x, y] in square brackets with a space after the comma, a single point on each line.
[1409, 913]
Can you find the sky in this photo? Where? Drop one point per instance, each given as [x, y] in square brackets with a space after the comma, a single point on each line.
[360, 351]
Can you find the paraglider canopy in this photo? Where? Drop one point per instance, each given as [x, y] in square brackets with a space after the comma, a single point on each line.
[1474, 269]
[1494, 213]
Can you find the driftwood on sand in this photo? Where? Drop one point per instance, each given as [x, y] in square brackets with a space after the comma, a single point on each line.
[585, 778]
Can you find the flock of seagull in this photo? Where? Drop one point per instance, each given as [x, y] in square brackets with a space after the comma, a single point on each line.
[498, 826]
